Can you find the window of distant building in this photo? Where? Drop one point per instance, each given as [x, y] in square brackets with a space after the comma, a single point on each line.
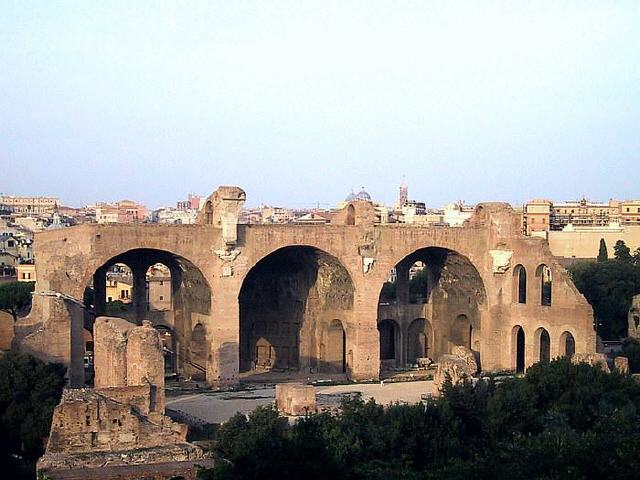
[161, 297]
[11, 243]
[627, 209]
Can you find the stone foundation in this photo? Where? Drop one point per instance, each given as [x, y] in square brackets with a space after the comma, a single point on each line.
[295, 399]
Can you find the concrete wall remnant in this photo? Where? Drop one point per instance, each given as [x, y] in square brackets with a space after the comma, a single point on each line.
[592, 359]
[295, 399]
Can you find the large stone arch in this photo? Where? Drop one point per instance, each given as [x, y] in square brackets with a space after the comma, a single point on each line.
[287, 301]
[456, 295]
[192, 301]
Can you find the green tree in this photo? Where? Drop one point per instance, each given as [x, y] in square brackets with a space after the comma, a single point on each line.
[609, 287]
[558, 421]
[603, 255]
[29, 391]
[636, 257]
[15, 296]
[631, 350]
[622, 252]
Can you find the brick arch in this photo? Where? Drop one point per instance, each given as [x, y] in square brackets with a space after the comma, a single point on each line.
[325, 247]
[287, 299]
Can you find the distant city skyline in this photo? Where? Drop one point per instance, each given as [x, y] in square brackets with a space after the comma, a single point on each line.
[298, 102]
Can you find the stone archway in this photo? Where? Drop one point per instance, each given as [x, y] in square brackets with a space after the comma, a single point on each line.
[288, 302]
[180, 300]
[442, 285]
[335, 348]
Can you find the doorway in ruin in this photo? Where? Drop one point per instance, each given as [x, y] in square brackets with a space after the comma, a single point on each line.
[567, 344]
[418, 340]
[290, 303]
[461, 331]
[543, 343]
[166, 289]
[441, 285]
[518, 345]
[389, 332]
[198, 352]
[334, 350]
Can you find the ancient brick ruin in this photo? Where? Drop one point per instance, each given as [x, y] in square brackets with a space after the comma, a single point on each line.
[118, 429]
[311, 298]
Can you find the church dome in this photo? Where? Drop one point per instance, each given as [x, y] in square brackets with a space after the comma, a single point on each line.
[351, 197]
[363, 195]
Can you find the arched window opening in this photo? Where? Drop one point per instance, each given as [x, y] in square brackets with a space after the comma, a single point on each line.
[544, 345]
[351, 215]
[520, 274]
[544, 274]
[159, 294]
[418, 283]
[518, 346]
[567, 344]
[209, 213]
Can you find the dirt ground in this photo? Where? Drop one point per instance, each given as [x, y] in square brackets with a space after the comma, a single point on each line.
[217, 407]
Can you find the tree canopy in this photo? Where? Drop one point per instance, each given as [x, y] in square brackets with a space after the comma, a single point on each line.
[609, 287]
[558, 421]
[15, 296]
[603, 255]
[622, 252]
[29, 391]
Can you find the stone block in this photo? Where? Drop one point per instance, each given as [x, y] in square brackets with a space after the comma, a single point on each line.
[621, 364]
[468, 356]
[592, 359]
[110, 351]
[452, 366]
[295, 399]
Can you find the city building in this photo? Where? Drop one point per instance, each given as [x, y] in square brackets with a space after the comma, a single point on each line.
[455, 214]
[541, 216]
[26, 272]
[175, 216]
[29, 205]
[191, 203]
[630, 212]
[537, 216]
[131, 212]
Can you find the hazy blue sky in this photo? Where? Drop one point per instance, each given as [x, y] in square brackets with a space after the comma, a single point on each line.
[298, 102]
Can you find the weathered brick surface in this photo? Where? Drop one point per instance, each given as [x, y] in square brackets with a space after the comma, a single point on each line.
[213, 261]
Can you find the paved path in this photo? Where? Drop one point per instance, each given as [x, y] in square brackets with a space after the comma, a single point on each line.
[217, 407]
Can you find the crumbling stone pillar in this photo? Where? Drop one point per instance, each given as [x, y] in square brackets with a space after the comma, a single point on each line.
[110, 351]
[59, 338]
[129, 355]
[145, 363]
